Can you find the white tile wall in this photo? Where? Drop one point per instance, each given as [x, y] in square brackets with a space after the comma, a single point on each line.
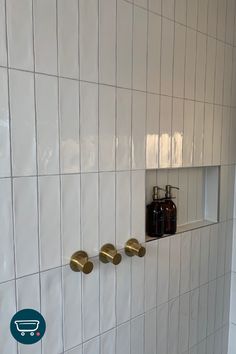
[92, 93]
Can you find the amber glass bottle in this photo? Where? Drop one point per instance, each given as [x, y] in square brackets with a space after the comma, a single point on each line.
[170, 212]
[155, 215]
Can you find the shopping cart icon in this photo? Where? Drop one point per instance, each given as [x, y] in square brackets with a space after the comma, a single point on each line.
[27, 326]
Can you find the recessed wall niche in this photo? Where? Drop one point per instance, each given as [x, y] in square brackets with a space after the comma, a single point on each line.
[197, 199]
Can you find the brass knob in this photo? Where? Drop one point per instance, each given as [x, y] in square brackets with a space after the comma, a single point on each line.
[79, 262]
[108, 253]
[134, 248]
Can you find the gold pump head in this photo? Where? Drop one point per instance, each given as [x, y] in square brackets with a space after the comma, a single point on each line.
[169, 191]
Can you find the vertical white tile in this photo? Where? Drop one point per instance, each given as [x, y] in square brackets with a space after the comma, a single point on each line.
[219, 72]
[107, 298]
[155, 6]
[225, 132]
[152, 131]
[20, 42]
[22, 123]
[26, 225]
[168, 9]
[3, 44]
[151, 276]
[193, 319]
[49, 222]
[123, 340]
[90, 304]
[179, 60]
[184, 313]
[150, 332]
[89, 213]
[232, 302]
[28, 297]
[212, 17]
[47, 124]
[154, 53]
[138, 130]
[89, 126]
[183, 197]
[107, 207]
[72, 314]
[138, 205]
[137, 335]
[139, 49]
[124, 43]
[185, 262]
[210, 69]
[202, 313]
[192, 195]
[174, 281]
[137, 280]
[225, 339]
[202, 347]
[228, 72]
[107, 101]
[167, 50]
[68, 38]
[165, 131]
[162, 328]
[208, 134]
[51, 308]
[190, 63]
[177, 133]
[227, 290]
[107, 41]
[219, 303]
[200, 66]
[210, 344]
[88, 39]
[70, 216]
[8, 309]
[229, 246]
[92, 346]
[6, 236]
[192, 8]
[181, 11]
[221, 20]
[163, 268]
[108, 342]
[5, 128]
[123, 130]
[202, 16]
[123, 203]
[204, 255]
[188, 133]
[223, 193]
[195, 259]
[173, 326]
[213, 251]
[123, 291]
[211, 307]
[217, 131]
[230, 22]
[45, 36]
[151, 180]
[233, 93]
[198, 134]
[69, 126]
[222, 234]
[200, 176]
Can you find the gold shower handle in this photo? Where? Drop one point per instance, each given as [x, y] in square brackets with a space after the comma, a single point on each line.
[134, 248]
[79, 262]
[109, 254]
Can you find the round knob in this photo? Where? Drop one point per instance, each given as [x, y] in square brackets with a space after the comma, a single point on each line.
[109, 253]
[79, 262]
[134, 248]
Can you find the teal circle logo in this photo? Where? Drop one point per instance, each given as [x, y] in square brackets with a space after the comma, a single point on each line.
[28, 326]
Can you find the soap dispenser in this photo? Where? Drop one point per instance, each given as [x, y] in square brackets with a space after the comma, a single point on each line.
[155, 215]
[170, 212]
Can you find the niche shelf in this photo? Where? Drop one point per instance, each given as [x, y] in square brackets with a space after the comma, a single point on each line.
[197, 199]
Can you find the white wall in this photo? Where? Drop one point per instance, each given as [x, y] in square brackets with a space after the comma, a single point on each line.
[93, 93]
